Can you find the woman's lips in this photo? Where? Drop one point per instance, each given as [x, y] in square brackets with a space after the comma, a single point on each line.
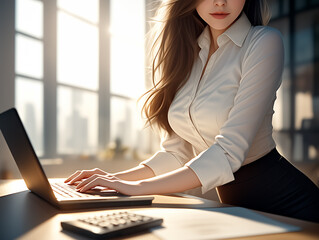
[220, 15]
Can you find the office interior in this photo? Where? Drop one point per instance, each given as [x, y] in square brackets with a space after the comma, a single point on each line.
[75, 69]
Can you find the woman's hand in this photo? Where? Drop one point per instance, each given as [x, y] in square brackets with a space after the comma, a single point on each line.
[80, 175]
[110, 181]
[178, 180]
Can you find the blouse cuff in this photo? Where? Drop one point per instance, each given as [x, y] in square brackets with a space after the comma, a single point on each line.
[162, 162]
[212, 168]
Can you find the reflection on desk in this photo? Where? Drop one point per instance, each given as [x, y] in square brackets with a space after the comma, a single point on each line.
[215, 223]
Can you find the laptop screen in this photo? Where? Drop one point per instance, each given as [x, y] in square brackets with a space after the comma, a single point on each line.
[17, 140]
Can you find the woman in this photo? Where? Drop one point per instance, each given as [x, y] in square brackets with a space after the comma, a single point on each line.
[216, 71]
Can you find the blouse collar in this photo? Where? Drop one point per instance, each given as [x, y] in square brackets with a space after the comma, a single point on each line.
[237, 33]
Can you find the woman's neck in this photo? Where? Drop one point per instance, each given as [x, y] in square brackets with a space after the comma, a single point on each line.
[214, 34]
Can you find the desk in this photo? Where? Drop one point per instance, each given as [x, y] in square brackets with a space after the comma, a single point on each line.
[25, 216]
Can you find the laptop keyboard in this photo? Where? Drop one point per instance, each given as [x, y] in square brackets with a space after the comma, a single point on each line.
[67, 191]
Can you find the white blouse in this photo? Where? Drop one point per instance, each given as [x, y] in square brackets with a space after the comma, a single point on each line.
[224, 120]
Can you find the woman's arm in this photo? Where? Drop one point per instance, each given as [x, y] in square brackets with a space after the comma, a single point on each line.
[174, 154]
[176, 181]
[136, 173]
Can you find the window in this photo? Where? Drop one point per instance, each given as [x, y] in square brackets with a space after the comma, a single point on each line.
[77, 76]
[79, 71]
[127, 30]
[296, 119]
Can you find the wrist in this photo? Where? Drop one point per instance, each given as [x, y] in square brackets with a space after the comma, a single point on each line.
[141, 188]
[120, 176]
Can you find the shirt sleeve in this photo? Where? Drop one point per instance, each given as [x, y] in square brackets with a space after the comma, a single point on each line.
[175, 152]
[261, 77]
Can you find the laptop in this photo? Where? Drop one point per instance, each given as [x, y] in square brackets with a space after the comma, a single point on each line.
[61, 195]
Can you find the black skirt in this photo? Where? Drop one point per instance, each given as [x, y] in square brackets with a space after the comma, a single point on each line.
[272, 184]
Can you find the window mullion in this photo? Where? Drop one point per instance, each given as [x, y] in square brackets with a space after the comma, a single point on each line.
[49, 78]
[7, 62]
[104, 74]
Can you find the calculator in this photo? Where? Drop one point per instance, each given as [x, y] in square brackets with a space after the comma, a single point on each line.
[111, 224]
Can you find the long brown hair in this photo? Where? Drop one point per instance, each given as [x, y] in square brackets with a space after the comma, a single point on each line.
[175, 49]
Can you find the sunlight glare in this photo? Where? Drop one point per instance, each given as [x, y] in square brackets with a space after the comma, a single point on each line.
[77, 52]
[29, 17]
[127, 47]
[86, 9]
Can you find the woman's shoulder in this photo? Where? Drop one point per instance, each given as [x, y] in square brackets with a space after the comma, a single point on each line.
[263, 41]
[265, 35]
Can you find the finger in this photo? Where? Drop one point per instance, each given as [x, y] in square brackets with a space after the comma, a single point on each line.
[96, 182]
[99, 171]
[86, 181]
[83, 174]
[72, 176]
